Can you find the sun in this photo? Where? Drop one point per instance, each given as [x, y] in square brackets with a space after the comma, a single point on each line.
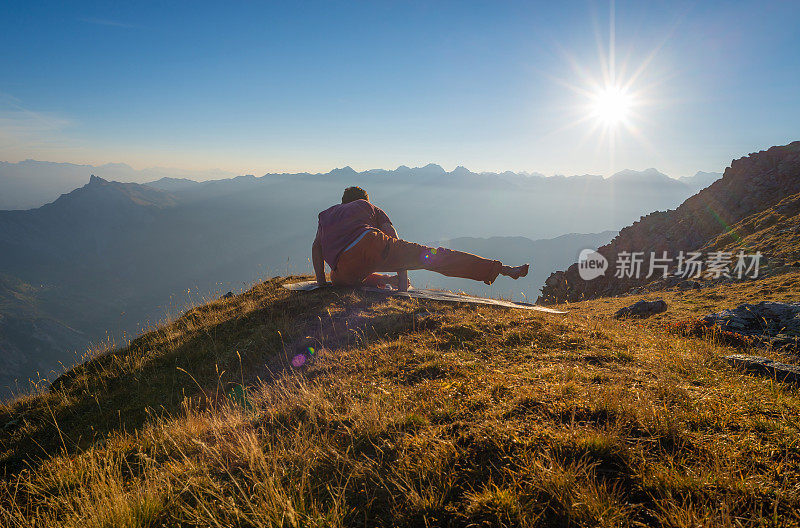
[611, 106]
[614, 101]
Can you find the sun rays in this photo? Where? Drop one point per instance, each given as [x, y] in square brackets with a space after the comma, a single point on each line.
[610, 97]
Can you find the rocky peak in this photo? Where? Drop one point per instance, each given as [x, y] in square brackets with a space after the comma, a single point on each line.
[461, 171]
[433, 168]
[96, 180]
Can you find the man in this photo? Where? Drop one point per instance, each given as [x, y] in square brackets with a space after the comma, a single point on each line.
[357, 239]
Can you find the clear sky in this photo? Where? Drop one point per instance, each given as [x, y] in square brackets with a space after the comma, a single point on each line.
[253, 87]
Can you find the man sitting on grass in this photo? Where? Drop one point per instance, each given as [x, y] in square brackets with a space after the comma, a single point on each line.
[357, 239]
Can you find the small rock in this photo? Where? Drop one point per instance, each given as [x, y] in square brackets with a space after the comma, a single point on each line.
[689, 285]
[227, 295]
[10, 424]
[642, 309]
[766, 367]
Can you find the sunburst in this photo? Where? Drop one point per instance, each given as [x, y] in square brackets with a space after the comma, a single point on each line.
[611, 104]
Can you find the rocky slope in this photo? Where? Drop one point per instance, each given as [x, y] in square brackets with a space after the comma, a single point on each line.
[751, 187]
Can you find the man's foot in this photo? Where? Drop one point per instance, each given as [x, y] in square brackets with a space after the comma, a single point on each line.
[396, 282]
[377, 280]
[381, 280]
[515, 272]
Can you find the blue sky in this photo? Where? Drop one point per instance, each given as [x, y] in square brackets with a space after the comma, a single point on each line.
[253, 87]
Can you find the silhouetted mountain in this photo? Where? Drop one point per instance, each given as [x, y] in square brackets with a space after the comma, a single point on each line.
[111, 195]
[701, 180]
[32, 183]
[80, 224]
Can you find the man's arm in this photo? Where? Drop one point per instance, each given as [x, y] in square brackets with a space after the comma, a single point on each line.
[402, 276]
[318, 261]
[382, 222]
[388, 229]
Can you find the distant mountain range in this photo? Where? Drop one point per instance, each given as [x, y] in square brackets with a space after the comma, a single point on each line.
[701, 180]
[30, 183]
[106, 259]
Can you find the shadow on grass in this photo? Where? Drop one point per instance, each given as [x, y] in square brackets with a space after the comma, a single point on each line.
[120, 390]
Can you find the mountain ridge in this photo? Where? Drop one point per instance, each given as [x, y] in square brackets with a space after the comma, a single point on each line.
[30, 183]
[750, 185]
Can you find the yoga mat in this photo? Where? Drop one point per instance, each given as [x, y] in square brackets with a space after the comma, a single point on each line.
[434, 295]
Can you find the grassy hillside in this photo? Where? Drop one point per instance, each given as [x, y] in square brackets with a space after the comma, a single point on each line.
[409, 413]
[774, 231]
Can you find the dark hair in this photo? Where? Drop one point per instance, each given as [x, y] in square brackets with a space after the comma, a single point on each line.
[351, 194]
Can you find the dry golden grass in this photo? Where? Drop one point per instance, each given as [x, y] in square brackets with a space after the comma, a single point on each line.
[408, 414]
[690, 304]
[775, 232]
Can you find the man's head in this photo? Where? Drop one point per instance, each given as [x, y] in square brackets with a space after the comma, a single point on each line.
[351, 194]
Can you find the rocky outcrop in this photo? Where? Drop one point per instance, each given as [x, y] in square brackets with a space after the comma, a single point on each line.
[642, 309]
[766, 367]
[774, 323]
[750, 185]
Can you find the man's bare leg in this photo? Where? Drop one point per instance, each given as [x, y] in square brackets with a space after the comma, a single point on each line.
[515, 272]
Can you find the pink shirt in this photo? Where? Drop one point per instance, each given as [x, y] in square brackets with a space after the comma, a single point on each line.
[341, 224]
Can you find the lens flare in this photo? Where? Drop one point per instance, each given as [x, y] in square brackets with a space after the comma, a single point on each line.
[299, 360]
[430, 253]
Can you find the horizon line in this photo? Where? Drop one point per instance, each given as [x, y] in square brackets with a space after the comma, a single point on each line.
[232, 174]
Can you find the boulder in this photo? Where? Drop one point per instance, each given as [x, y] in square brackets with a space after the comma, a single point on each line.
[768, 322]
[642, 309]
[762, 318]
[766, 367]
